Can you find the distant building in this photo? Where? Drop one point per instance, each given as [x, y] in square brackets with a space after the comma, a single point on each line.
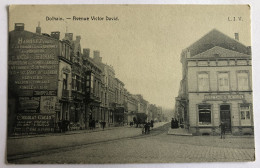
[216, 86]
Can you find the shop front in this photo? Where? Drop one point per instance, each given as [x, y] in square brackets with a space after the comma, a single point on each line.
[207, 111]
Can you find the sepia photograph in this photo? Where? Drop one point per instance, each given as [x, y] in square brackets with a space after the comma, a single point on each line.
[120, 84]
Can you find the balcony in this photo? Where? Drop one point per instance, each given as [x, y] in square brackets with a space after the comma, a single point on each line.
[65, 94]
[76, 95]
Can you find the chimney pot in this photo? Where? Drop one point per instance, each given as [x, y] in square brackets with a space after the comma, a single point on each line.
[68, 36]
[19, 27]
[38, 29]
[237, 36]
[78, 38]
[86, 52]
[55, 35]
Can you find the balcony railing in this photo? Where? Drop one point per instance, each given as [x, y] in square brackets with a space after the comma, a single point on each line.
[65, 94]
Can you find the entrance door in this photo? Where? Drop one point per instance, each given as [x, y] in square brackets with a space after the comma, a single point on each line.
[225, 116]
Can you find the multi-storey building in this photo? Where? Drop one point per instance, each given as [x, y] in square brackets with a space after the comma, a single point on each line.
[119, 113]
[217, 85]
[77, 107]
[93, 76]
[39, 81]
[131, 107]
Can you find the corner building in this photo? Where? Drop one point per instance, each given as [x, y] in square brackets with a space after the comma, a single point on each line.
[39, 81]
[217, 85]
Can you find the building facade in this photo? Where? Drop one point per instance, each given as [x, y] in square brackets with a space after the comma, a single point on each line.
[217, 86]
[39, 81]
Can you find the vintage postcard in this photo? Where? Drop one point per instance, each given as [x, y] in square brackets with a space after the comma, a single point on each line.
[100, 84]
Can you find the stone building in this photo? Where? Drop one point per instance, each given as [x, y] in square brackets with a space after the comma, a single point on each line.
[93, 75]
[217, 85]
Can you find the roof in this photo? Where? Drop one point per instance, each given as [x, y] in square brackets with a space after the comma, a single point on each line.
[32, 33]
[221, 53]
[216, 38]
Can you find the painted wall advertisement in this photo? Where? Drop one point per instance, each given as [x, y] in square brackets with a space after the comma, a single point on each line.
[35, 123]
[33, 63]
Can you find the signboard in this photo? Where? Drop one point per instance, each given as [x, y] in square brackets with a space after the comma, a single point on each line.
[220, 97]
[48, 104]
[34, 123]
[29, 104]
[45, 92]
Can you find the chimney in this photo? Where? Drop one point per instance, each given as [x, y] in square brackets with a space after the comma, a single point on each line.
[68, 36]
[78, 38]
[19, 27]
[86, 52]
[97, 57]
[55, 35]
[237, 36]
[249, 50]
[38, 29]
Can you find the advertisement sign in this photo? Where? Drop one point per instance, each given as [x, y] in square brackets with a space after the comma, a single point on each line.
[29, 104]
[48, 104]
[34, 123]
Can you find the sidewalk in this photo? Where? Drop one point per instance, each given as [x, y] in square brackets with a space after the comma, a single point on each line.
[179, 131]
[38, 143]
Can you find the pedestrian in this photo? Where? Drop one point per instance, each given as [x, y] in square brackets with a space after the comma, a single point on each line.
[103, 125]
[152, 124]
[172, 123]
[222, 129]
[146, 128]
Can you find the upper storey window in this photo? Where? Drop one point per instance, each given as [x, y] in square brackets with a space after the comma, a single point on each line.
[203, 81]
[223, 81]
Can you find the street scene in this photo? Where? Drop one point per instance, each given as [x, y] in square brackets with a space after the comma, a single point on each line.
[128, 145]
[97, 84]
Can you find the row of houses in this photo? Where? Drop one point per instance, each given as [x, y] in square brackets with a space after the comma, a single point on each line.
[216, 86]
[51, 80]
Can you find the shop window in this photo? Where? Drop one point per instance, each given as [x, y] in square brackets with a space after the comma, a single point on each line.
[223, 81]
[204, 114]
[203, 81]
[242, 81]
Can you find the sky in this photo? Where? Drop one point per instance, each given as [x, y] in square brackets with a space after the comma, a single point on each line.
[145, 44]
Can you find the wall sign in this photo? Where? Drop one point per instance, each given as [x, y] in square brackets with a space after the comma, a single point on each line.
[223, 97]
[34, 123]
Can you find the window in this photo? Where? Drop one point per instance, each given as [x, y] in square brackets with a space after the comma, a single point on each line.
[203, 81]
[92, 83]
[204, 114]
[245, 114]
[73, 84]
[223, 81]
[242, 81]
[65, 81]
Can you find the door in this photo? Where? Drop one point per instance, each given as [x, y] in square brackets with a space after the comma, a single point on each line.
[225, 116]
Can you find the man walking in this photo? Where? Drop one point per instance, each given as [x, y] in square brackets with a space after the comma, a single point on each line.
[223, 130]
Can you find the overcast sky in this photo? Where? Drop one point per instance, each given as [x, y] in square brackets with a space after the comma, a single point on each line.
[144, 46]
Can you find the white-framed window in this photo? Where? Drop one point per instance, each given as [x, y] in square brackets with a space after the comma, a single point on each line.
[204, 111]
[223, 81]
[245, 114]
[242, 81]
[203, 81]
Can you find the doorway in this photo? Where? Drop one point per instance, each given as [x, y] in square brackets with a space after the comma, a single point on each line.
[225, 116]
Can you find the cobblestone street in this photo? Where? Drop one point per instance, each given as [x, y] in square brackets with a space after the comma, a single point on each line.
[158, 147]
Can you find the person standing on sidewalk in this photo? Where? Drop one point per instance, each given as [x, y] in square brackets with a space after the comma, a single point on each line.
[223, 130]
